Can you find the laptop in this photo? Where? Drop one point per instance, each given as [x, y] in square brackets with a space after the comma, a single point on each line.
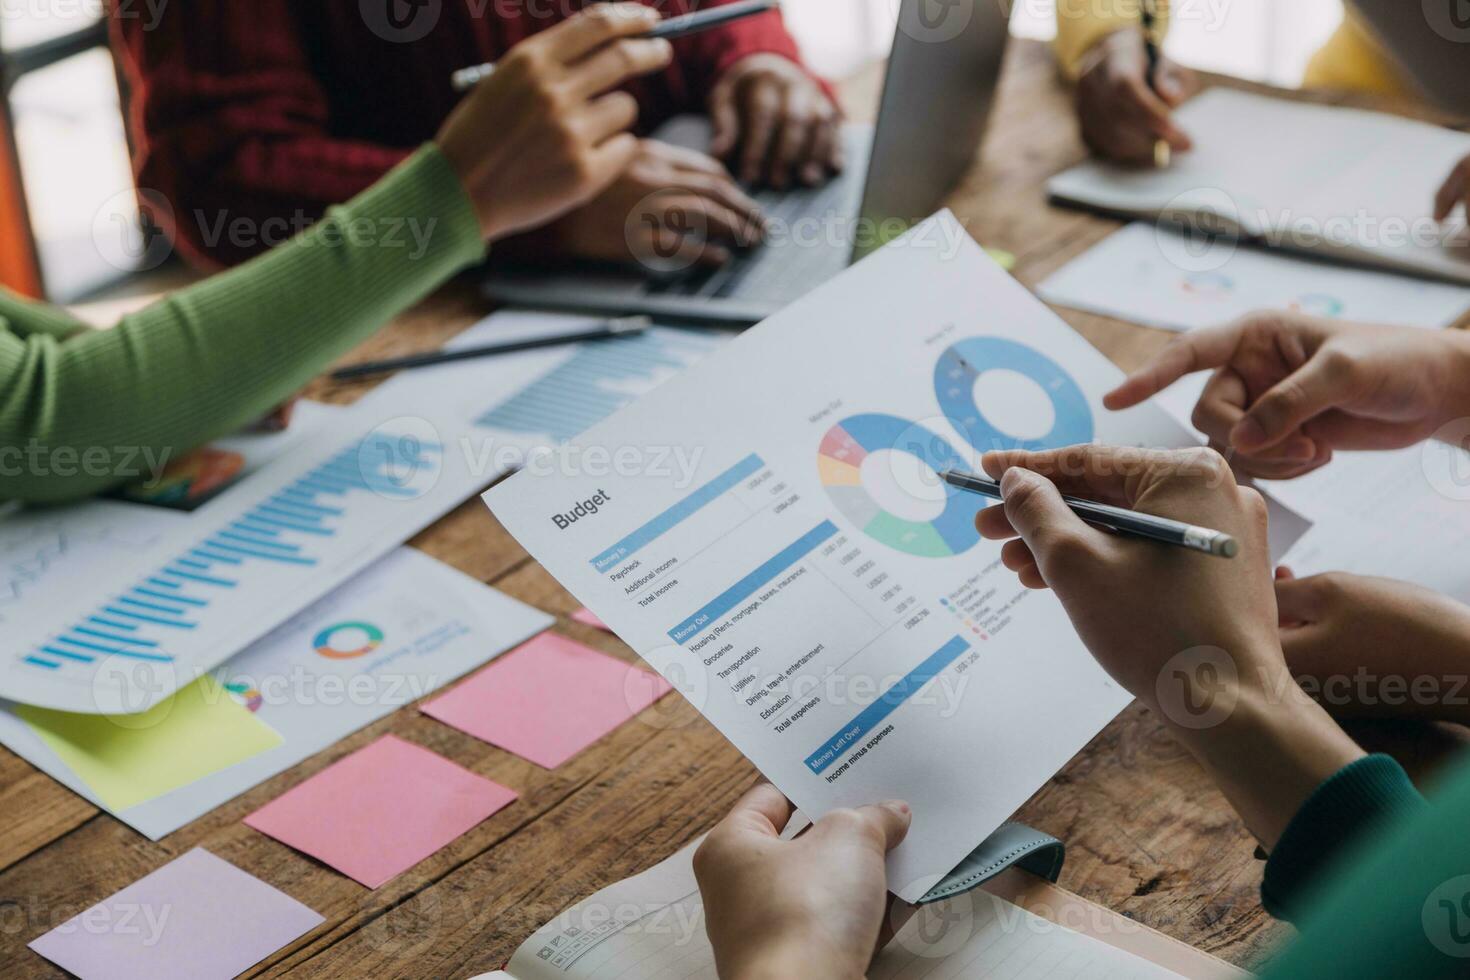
[941, 82]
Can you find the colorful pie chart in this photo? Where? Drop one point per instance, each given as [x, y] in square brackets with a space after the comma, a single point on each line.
[961, 365]
[346, 641]
[840, 467]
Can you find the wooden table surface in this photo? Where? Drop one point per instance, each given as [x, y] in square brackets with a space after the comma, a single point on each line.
[1146, 832]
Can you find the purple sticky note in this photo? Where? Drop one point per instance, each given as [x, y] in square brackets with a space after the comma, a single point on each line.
[381, 810]
[548, 699]
[197, 917]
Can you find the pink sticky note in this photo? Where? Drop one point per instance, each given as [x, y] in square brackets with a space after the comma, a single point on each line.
[587, 617]
[381, 810]
[548, 699]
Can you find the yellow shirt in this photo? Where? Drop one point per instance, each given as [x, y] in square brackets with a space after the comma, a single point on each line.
[1352, 58]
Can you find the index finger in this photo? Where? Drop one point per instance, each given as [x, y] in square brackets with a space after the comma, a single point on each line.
[586, 31]
[1106, 474]
[1198, 350]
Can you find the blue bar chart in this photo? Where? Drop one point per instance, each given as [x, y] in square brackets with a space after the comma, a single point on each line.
[596, 381]
[287, 528]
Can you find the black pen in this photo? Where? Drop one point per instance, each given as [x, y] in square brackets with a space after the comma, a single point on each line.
[1148, 12]
[675, 27]
[622, 327]
[1120, 519]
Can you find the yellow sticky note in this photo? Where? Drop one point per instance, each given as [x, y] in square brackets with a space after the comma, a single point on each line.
[130, 760]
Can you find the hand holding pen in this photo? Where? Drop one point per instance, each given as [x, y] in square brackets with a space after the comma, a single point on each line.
[1122, 114]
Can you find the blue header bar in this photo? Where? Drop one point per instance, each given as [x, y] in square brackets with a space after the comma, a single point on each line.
[872, 716]
[742, 590]
[677, 513]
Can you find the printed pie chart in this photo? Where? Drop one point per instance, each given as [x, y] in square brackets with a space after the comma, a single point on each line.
[851, 442]
[968, 362]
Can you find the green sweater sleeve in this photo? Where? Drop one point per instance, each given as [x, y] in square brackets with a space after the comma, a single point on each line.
[1402, 908]
[1348, 808]
[77, 409]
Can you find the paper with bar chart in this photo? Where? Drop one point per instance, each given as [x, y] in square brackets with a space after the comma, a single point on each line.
[165, 602]
[809, 583]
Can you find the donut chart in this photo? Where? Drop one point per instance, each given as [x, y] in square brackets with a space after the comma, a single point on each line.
[839, 465]
[963, 363]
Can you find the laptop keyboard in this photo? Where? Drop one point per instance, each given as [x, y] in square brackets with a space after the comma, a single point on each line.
[810, 242]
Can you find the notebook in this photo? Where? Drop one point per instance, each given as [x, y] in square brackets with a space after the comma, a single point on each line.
[1346, 184]
[1017, 925]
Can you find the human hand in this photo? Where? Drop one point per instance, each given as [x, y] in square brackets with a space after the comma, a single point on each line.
[1174, 599]
[780, 121]
[1288, 389]
[1120, 115]
[1453, 192]
[671, 206]
[810, 907]
[545, 133]
[1192, 636]
[1375, 647]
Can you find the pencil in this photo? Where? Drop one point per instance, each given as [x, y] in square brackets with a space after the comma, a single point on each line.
[1148, 12]
[1119, 519]
[675, 27]
[622, 327]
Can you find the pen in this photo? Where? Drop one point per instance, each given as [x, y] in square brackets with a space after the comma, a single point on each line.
[1148, 11]
[675, 27]
[1120, 519]
[622, 327]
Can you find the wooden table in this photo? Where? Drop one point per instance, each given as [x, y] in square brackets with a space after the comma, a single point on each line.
[1146, 832]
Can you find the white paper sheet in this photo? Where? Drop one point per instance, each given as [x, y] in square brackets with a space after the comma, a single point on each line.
[368, 479]
[844, 625]
[1305, 177]
[417, 623]
[1145, 274]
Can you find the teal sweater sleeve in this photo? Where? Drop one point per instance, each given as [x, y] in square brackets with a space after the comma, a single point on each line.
[79, 406]
[1401, 906]
[1348, 808]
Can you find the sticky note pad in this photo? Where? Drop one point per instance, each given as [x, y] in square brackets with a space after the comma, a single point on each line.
[197, 917]
[381, 810]
[130, 759]
[548, 699]
[587, 617]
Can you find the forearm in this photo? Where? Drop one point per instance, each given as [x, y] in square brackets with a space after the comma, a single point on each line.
[218, 355]
[1272, 748]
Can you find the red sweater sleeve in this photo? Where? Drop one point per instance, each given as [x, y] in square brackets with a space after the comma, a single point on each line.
[234, 127]
[706, 56]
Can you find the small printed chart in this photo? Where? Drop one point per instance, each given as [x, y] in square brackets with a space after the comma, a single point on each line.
[846, 464]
